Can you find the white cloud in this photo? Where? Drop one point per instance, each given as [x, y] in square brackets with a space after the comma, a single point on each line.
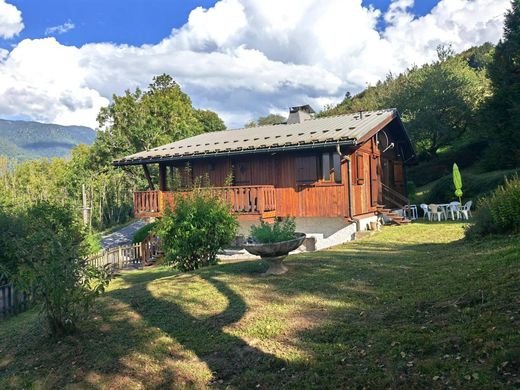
[245, 58]
[461, 23]
[44, 80]
[61, 29]
[10, 20]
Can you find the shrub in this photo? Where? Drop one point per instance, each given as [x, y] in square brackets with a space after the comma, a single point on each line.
[193, 233]
[499, 212]
[43, 252]
[144, 232]
[276, 232]
[93, 243]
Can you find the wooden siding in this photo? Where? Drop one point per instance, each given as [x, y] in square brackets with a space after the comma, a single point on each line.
[364, 178]
[299, 191]
[304, 182]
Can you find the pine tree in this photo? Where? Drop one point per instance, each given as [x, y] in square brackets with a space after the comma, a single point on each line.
[503, 111]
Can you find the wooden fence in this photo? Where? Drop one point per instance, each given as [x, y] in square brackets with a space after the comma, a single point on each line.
[12, 301]
[118, 258]
[128, 256]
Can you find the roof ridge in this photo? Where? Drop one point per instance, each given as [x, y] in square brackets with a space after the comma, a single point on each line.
[314, 119]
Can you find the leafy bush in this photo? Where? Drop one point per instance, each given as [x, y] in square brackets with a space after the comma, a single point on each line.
[93, 243]
[276, 232]
[193, 233]
[144, 232]
[499, 212]
[42, 251]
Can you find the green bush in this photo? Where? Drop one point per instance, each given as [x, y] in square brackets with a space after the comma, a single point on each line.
[193, 233]
[144, 232]
[93, 243]
[276, 232]
[499, 212]
[42, 252]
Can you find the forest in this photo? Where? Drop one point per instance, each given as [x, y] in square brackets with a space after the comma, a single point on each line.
[462, 108]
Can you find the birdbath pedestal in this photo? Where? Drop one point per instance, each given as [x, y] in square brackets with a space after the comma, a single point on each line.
[274, 253]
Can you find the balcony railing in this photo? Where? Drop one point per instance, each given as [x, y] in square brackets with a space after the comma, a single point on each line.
[146, 202]
[246, 201]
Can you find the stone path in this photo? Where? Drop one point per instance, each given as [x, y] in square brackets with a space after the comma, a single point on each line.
[122, 236]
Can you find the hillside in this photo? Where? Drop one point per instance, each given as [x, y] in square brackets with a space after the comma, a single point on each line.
[25, 140]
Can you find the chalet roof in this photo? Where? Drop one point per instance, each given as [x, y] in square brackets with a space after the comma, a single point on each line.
[348, 129]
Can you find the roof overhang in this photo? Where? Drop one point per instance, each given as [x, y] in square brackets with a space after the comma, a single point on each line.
[349, 129]
[273, 149]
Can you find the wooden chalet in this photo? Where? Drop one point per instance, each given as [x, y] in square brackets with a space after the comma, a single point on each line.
[348, 167]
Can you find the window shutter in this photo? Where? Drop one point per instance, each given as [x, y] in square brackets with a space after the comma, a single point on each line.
[360, 175]
[306, 169]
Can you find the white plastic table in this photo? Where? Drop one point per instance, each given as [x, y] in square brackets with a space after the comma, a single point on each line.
[410, 211]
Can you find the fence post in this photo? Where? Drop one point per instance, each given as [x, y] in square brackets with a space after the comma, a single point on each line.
[120, 257]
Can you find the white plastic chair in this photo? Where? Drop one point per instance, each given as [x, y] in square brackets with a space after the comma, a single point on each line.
[436, 211]
[466, 209]
[454, 210]
[426, 211]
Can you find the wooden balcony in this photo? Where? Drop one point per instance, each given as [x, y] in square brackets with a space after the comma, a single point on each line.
[247, 202]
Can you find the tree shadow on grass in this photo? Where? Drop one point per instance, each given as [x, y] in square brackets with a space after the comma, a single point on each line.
[225, 354]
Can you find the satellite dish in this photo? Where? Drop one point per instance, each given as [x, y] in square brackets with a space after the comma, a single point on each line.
[385, 142]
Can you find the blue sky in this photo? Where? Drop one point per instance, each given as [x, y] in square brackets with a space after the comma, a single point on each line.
[62, 60]
[120, 21]
[133, 22]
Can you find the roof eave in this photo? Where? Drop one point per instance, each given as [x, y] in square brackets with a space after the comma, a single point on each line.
[152, 160]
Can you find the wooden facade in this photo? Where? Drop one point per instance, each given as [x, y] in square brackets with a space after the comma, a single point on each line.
[299, 183]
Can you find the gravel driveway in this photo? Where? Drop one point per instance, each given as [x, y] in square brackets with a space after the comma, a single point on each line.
[122, 236]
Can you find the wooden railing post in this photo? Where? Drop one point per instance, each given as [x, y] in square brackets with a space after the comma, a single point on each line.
[261, 193]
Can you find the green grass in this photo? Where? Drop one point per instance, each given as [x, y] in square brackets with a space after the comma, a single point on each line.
[411, 307]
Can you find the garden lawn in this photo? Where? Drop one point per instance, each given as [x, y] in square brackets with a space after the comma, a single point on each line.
[411, 307]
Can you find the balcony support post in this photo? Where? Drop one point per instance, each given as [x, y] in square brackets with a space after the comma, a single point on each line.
[162, 177]
[148, 177]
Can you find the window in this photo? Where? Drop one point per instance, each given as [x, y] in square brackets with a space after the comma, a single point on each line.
[331, 167]
[325, 166]
[336, 166]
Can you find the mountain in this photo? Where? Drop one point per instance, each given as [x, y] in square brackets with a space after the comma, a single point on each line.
[24, 140]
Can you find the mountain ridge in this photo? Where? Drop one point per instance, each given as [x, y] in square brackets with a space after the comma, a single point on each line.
[27, 140]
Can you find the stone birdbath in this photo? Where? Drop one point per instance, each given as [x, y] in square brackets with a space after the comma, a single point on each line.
[273, 253]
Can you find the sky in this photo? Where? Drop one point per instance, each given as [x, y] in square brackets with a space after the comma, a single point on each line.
[62, 60]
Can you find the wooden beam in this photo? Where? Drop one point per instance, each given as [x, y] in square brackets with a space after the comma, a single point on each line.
[162, 177]
[148, 177]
